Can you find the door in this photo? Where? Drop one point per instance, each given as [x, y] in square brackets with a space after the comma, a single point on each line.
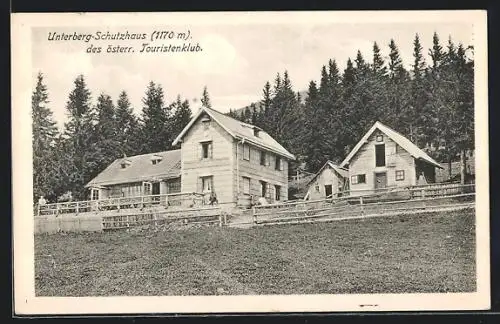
[328, 190]
[380, 180]
[155, 188]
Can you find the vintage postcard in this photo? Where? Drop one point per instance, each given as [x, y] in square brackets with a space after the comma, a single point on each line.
[223, 162]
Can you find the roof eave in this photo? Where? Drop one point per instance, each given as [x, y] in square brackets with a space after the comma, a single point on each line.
[288, 155]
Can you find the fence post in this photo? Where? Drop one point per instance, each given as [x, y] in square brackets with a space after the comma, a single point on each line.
[361, 205]
[220, 220]
[254, 215]
[77, 209]
[225, 219]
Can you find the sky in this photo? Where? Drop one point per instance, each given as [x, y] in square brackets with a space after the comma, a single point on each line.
[235, 63]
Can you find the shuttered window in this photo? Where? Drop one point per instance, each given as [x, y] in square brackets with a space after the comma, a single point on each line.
[277, 193]
[262, 158]
[206, 150]
[277, 164]
[246, 185]
[246, 152]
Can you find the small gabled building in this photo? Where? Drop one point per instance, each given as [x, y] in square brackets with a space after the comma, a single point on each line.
[238, 161]
[140, 175]
[384, 158]
[330, 181]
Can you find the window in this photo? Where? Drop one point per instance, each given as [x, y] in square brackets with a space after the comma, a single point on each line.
[263, 186]
[206, 124]
[359, 178]
[174, 186]
[147, 188]
[277, 192]
[317, 188]
[380, 155]
[206, 184]
[246, 185]
[262, 158]
[277, 164]
[379, 138]
[95, 194]
[256, 132]
[124, 164]
[206, 150]
[400, 175]
[155, 159]
[246, 152]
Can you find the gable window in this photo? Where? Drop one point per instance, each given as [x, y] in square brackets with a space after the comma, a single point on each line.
[246, 152]
[359, 178]
[206, 122]
[277, 164]
[123, 165]
[400, 175]
[206, 150]
[277, 192]
[379, 138]
[379, 155]
[262, 158]
[246, 185]
[317, 188]
[206, 184]
[256, 132]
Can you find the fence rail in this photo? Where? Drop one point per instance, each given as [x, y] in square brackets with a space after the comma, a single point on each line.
[362, 209]
[391, 200]
[204, 215]
[184, 200]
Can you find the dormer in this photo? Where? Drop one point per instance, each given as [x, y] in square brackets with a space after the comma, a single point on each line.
[156, 159]
[256, 131]
[125, 163]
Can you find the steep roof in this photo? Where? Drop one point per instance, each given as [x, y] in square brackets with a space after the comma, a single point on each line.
[341, 171]
[402, 141]
[239, 130]
[140, 168]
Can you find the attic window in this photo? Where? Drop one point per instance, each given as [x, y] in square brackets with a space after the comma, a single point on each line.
[155, 159]
[380, 138]
[125, 164]
[205, 120]
[256, 132]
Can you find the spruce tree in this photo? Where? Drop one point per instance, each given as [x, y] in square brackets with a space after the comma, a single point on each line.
[182, 116]
[205, 99]
[127, 127]
[106, 131]
[156, 118]
[80, 144]
[44, 143]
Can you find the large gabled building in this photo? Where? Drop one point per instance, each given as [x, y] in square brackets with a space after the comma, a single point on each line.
[238, 161]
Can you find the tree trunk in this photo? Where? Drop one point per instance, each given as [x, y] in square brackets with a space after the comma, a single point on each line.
[449, 167]
[463, 167]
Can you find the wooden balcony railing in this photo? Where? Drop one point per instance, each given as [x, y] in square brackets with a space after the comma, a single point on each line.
[186, 200]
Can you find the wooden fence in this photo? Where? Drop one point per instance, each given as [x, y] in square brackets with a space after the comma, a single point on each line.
[185, 200]
[203, 215]
[423, 198]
